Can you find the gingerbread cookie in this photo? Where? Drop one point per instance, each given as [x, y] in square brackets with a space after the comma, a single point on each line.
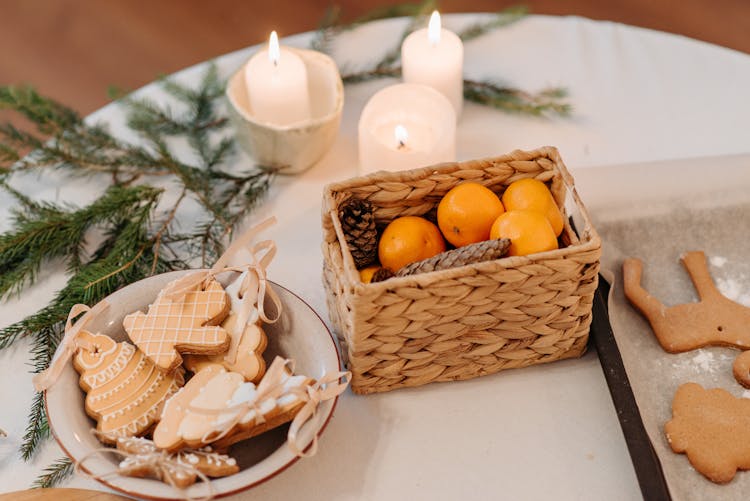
[219, 406]
[713, 428]
[125, 392]
[741, 368]
[180, 469]
[713, 321]
[248, 341]
[185, 324]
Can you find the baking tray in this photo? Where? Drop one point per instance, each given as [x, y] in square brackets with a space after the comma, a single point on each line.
[647, 466]
[633, 193]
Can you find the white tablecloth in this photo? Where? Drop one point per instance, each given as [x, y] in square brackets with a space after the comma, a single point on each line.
[547, 432]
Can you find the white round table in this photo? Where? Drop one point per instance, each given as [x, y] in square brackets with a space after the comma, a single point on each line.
[545, 432]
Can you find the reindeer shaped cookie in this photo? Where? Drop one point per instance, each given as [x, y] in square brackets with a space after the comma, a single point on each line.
[713, 321]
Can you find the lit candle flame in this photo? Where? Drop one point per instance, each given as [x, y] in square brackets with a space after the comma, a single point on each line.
[433, 28]
[273, 48]
[401, 135]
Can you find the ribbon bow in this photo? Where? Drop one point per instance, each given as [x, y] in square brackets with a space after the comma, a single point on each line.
[326, 388]
[162, 464]
[69, 344]
[271, 386]
[254, 287]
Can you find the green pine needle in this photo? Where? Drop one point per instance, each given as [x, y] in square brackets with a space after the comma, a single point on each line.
[54, 474]
[547, 102]
[37, 430]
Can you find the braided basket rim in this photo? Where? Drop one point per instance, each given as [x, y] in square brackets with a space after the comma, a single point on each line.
[589, 239]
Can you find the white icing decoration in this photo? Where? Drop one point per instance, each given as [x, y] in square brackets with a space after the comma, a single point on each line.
[99, 360]
[96, 379]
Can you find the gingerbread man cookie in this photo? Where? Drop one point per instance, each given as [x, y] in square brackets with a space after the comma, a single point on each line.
[713, 428]
[179, 469]
[125, 392]
[245, 354]
[186, 324]
[219, 407]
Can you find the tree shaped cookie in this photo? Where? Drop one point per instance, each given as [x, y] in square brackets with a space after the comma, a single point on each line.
[713, 428]
[125, 392]
[186, 324]
[248, 342]
[219, 407]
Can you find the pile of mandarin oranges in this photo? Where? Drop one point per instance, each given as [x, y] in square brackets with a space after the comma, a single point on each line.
[469, 213]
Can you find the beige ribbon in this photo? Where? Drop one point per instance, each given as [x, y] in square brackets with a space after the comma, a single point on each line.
[272, 386]
[163, 463]
[253, 290]
[326, 388]
[69, 344]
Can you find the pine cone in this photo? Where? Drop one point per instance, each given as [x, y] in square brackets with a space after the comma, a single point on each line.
[468, 254]
[381, 274]
[358, 223]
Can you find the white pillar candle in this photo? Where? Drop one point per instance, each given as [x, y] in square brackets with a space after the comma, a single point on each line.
[405, 126]
[276, 82]
[434, 56]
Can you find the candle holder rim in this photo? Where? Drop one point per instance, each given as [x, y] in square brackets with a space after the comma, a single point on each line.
[306, 55]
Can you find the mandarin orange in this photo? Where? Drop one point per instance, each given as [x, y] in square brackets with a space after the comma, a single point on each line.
[532, 194]
[408, 239]
[466, 213]
[529, 232]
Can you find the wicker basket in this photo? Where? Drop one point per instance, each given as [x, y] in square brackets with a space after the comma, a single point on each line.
[468, 321]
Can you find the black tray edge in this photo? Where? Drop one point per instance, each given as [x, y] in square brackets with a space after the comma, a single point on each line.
[647, 466]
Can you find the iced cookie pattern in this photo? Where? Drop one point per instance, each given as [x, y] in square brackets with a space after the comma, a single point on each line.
[219, 407]
[188, 324]
[246, 357]
[125, 392]
[180, 469]
[713, 428]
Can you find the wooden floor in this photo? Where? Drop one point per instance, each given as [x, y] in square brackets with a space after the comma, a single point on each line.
[74, 49]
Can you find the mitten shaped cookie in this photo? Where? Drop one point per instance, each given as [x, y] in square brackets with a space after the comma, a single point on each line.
[248, 341]
[713, 428]
[125, 392]
[178, 469]
[185, 324]
[218, 407]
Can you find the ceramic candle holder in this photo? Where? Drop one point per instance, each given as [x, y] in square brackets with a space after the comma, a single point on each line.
[294, 148]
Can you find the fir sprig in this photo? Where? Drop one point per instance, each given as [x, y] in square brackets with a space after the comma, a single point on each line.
[137, 237]
[54, 474]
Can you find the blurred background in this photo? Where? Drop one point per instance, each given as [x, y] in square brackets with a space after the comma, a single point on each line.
[73, 50]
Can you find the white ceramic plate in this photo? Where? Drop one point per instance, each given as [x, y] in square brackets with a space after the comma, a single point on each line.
[300, 334]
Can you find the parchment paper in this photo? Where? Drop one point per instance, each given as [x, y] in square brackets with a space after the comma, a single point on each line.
[658, 229]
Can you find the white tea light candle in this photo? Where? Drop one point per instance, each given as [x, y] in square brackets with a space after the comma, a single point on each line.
[406, 126]
[276, 81]
[434, 56]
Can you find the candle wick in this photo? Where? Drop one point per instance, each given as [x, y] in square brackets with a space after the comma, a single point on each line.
[401, 145]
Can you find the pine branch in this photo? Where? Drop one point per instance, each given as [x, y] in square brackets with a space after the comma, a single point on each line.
[45, 232]
[54, 474]
[547, 102]
[37, 430]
